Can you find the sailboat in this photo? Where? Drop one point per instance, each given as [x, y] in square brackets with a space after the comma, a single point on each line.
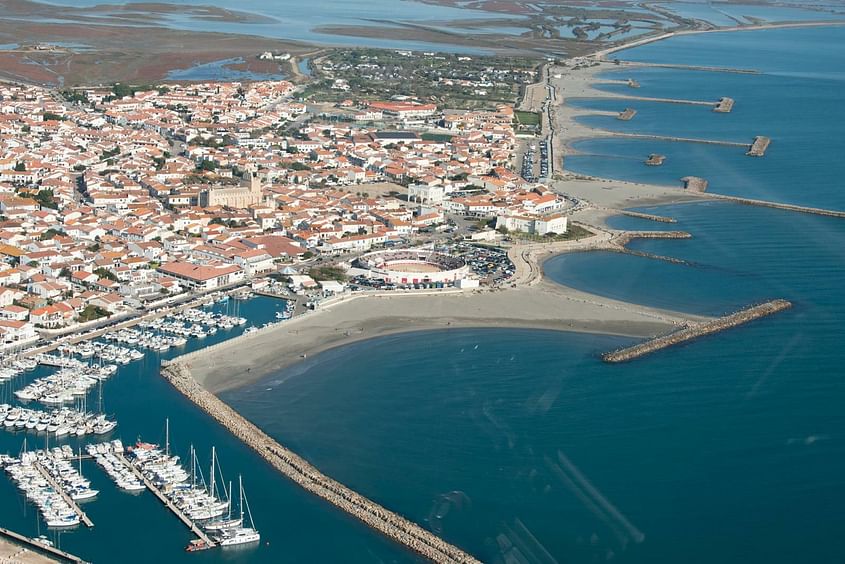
[228, 522]
[241, 534]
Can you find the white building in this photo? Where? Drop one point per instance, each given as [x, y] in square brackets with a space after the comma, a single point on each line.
[532, 224]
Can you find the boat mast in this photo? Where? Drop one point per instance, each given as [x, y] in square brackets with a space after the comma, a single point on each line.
[229, 518]
[244, 500]
[211, 484]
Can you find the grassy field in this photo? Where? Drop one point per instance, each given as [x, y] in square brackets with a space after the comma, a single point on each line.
[527, 118]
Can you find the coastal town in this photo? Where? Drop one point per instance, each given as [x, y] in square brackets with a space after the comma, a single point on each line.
[193, 237]
[110, 203]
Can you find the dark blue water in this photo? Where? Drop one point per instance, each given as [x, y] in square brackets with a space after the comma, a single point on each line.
[138, 529]
[524, 446]
[796, 101]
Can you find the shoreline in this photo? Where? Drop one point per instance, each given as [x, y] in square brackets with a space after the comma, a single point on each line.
[531, 302]
[545, 306]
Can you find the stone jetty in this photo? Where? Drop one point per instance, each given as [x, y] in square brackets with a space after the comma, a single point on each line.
[655, 160]
[695, 331]
[307, 476]
[724, 106]
[627, 115]
[758, 148]
[625, 237]
[694, 183]
[649, 216]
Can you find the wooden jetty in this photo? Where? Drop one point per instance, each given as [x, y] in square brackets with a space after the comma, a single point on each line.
[627, 114]
[655, 160]
[39, 547]
[758, 148]
[697, 330]
[694, 183]
[167, 502]
[724, 106]
[61, 491]
[303, 473]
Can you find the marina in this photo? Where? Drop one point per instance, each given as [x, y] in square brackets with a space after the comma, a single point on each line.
[216, 313]
[50, 481]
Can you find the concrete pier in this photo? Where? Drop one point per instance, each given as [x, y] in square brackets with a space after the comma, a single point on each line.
[655, 160]
[61, 491]
[694, 184]
[758, 148]
[56, 554]
[627, 114]
[308, 477]
[695, 331]
[168, 503]
[724, 106]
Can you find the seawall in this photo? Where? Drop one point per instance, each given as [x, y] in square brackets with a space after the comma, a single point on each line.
[698, 330]
[307, 476]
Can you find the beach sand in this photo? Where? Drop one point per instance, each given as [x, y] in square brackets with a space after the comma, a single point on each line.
[531, 303]
[540, 306]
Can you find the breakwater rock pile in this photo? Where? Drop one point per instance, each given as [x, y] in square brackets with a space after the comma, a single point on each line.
[724, 106]
[655, 160]
[310, 478]
[627, 115]
[758, 148]
[691, 332]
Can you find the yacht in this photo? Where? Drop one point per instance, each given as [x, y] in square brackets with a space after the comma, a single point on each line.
[239, 535]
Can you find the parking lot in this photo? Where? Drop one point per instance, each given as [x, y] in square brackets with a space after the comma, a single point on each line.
[491, 265]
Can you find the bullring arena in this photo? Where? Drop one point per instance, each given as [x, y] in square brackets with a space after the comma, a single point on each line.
[410, 266]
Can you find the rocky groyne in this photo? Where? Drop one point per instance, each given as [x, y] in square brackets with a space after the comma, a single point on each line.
[694, 183]
[696, 331]
[759, 146]
[307, 476]
[724, 105]
[655, 160]
[627, 115]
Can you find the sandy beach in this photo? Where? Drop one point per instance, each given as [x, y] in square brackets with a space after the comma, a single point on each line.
[531, 302]
[543, 305]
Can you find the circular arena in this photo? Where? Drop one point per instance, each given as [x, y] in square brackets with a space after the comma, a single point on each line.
[409, 266]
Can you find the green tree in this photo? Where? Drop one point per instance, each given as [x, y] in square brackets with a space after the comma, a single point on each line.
[107, 274]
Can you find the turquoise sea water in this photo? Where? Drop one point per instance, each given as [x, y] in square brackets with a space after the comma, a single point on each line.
[522, 446]
[796, 100]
